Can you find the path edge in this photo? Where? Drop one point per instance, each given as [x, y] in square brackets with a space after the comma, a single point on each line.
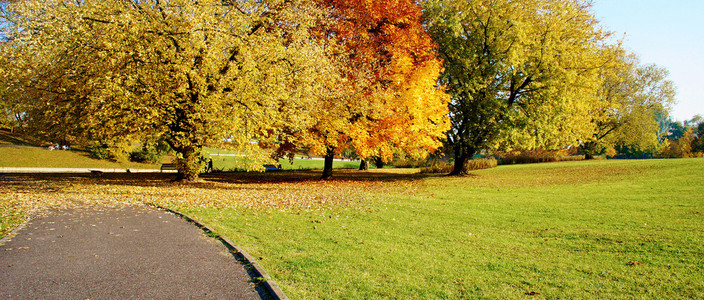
[263, 277]
[14, 231]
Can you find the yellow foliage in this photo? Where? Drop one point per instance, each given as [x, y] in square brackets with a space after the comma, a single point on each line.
[191, 73]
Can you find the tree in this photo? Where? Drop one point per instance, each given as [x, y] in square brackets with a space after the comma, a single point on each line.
[698, 142]
[676, 130]
[522, 74]
[387, 97]
[681, 147]
[189, 73]
[633, 96]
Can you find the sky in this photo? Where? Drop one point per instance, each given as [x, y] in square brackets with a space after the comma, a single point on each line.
[669, 34]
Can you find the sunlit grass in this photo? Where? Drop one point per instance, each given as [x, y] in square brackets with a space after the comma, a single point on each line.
[33, 157]
[232, 163]
[601, 229]
[608, 229]
[11, 215]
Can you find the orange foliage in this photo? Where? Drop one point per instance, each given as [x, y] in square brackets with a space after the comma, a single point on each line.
[388, 96]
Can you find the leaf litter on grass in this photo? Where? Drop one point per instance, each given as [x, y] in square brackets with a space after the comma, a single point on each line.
[294, 191]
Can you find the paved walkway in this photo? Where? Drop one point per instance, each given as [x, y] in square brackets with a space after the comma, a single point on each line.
[132, 252]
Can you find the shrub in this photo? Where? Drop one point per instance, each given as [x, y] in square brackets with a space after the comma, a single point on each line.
[446, 167]
[437, 167]
[117, 151]
[536, 156]
[99, 151]
[482, 163]
[150, 153]
[410, 163]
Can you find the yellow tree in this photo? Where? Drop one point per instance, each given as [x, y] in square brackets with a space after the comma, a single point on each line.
[190, 73]
[522, 74]
[632, 97]
[387, 96]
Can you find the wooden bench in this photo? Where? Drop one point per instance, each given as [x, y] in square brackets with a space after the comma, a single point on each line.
[169, 167]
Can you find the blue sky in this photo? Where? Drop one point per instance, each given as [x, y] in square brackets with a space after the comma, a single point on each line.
[669, 34]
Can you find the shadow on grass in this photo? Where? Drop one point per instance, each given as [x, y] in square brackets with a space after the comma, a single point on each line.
[9, 139]
[211, 181]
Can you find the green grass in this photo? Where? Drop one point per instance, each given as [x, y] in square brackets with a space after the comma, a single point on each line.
[11, 215]
[601, 229]
[43, 158]
[229, 163]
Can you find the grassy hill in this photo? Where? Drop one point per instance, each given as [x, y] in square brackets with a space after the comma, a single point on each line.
[42, 158]
[21, 151]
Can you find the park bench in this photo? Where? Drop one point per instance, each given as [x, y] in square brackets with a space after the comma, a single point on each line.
[272, 167]
[169, 167]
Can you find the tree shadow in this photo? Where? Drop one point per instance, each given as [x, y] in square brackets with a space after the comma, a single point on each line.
[8, 139]
[224, 181]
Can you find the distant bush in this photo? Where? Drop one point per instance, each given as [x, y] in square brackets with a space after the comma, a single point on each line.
[482, 163]
[150, 153]
[437, 168]
[98, 151]
[536, 156]
[410, 163]
[446, 167]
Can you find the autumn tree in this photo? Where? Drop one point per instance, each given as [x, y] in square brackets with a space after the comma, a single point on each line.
[633, 95]
[190, 73]
[387, 97]
[522, 74]
[698, 142]
[680, 148]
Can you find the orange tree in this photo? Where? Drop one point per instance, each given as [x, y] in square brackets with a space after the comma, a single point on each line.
[386, 97]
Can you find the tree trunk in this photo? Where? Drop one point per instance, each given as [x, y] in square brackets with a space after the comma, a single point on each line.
[327, 170]
[189, 164]
[462, 156]
[589, 150]
[378, 162]
[363, 165]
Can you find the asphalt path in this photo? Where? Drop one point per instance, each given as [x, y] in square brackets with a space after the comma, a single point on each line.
[118, 253]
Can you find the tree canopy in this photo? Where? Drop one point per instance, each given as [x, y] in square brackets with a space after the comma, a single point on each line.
[368, 77]
[633, 95]
[387, 95]
[189, 73]
[522, 74]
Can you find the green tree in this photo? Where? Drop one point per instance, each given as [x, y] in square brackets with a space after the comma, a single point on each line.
[189, 73]
[698, 142]
[681, 147]
[633, 96]
[676, 130]
[522, 74]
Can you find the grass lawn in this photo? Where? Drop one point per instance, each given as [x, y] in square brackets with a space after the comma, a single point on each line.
[605, 229]
[596, 229]
[229, 163]
[34, 157]
[12, 156]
